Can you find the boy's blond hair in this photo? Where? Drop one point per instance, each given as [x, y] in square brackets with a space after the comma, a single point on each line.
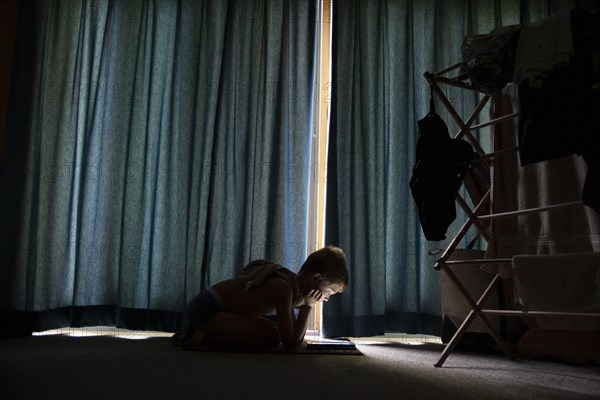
[330, 262]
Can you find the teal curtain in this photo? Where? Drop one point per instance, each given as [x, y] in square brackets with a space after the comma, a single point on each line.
[152, 148]
[381, 49]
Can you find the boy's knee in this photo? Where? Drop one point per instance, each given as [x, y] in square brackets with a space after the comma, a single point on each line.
[271, 336]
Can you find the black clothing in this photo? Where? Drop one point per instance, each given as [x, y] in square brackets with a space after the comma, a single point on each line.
[441, 164]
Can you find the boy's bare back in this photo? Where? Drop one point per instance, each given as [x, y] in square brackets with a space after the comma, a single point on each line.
[256, 302]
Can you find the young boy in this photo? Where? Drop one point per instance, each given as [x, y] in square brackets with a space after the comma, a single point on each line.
[230, 313]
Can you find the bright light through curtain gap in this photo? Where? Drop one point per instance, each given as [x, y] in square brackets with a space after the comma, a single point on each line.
[318, 173]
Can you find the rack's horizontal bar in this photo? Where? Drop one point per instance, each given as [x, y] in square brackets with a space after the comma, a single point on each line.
[497, 153]
[477, 261]
[528, 210]
[446, 70]
[521, 313]
[494, 121]
[460, 84]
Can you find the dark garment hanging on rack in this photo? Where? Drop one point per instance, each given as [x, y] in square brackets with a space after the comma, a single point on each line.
[561, 117]
[441, 164]
[590, 194]
[555, 118]
[552, 119]
[557, 123]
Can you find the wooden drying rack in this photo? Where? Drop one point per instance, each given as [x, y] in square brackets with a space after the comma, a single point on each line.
[477, 217]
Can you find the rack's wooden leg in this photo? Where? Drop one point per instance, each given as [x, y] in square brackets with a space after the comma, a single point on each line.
[475, 311]
[456, 338]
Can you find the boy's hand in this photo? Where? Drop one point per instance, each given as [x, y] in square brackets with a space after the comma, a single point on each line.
[312, 297]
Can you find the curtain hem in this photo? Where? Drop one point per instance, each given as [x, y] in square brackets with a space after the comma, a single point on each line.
[376, 325]
[24, 323]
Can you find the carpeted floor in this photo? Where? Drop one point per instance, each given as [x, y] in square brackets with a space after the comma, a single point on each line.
[62, 367]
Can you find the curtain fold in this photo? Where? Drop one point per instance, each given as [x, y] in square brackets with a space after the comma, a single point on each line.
[380, 51]
[152, 148]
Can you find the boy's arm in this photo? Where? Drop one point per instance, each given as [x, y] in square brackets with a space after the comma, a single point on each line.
[291, 328]
[301, 322]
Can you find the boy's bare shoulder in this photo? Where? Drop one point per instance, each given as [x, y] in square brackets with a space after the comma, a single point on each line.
[259, 300]
[275, 289]
[274, 285]
[279, 291]
[277, 286]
